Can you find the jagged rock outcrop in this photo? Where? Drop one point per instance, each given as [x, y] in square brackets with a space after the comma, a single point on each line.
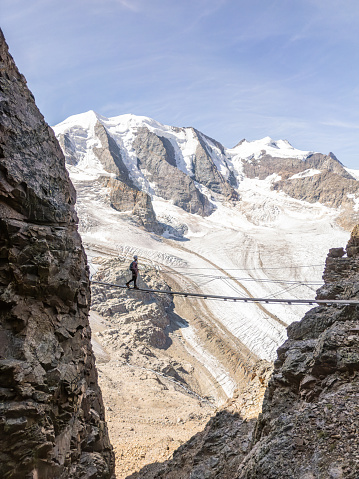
[286, 167]
[156, 160]
[124, 195]
[326, 187]
[68, 148]
[309, 424]
[52, 422]
[125, 198]
[308, 428]
[206, 172]
[110, 156]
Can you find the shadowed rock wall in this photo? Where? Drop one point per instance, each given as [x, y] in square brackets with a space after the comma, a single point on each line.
[52, 420]
[309, 425]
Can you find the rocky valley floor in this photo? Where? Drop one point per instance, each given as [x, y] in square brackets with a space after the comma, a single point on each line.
[157, 394]
[148, 415]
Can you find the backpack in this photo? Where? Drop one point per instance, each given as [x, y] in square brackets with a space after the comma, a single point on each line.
[131, 266]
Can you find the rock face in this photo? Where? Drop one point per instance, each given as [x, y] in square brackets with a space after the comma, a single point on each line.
[110, 156]
[286, 167]
[308, 428]
[206, 172]
[329, 183]
[124, 195]
[52, 420]
[125, 198]
[156, 156]
[68, 148]
[309, 424]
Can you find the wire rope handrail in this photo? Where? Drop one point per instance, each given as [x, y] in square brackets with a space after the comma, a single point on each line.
[234, 298]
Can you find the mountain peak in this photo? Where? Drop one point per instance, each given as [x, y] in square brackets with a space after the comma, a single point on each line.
[86, 120]
[135, 121]
[276, 148]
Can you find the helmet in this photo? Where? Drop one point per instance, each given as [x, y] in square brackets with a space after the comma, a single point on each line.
[135, 257]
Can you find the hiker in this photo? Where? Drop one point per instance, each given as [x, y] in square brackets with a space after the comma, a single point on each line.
[134, 270]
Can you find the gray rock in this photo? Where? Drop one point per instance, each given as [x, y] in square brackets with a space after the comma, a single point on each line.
[47, 370]
[206, 172]
[110, 155]
[156, 160]
[331, 186]
[138, 203]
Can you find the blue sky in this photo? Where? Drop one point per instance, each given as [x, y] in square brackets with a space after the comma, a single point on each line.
[233, 69]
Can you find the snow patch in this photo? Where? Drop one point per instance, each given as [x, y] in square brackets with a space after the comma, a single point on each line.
[355, 201]
[249, 150]
[354, 173]
[305, 174]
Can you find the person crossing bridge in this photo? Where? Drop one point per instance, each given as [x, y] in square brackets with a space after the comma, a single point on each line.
[134, 269]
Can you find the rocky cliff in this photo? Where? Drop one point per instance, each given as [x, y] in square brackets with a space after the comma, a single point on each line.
[308, 428]
[128, 199]
[52, 422]
[156, 159]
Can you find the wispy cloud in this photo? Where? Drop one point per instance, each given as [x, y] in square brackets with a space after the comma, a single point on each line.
[341, 124]
[130, 5]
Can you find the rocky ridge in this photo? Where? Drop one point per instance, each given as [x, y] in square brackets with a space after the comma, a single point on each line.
[184, 166]
[309, 423]
[123, 194]
[318, 177]
[52, 421]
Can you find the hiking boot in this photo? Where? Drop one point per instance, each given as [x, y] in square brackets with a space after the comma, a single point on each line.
[128, 286]
[135, 287]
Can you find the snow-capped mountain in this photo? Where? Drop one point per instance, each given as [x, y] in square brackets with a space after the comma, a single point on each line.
[188, 168]
[254, 220]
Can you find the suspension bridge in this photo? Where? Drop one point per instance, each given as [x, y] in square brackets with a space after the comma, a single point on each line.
[338, 302]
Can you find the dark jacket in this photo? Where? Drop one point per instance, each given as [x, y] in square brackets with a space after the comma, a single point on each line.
[134, 267]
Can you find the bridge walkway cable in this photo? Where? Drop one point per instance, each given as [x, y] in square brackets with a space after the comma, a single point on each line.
[339, 302]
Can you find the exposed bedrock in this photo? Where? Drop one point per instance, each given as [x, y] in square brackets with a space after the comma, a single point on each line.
[156, 160]
[68, 148]
[286, 167]
[329, 183]
[52, 422]
[308, 428]
[125, 198]
[206, 172]
[110, 155]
